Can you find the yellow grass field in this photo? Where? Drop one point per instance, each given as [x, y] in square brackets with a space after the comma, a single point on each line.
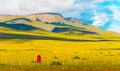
[59, 53]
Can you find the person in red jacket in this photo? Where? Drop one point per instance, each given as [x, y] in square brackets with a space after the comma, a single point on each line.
[38, 59]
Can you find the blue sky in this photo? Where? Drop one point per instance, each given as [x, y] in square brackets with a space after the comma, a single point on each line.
[104, 14]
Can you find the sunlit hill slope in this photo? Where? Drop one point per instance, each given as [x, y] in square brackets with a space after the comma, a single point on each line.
[51, 26]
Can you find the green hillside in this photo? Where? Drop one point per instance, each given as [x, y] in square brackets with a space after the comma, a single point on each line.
[56, 28]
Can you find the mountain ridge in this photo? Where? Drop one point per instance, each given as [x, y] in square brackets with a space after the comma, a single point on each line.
[56, 23]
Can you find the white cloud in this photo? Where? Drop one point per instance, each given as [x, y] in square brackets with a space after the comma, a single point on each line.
[9, 7]
[116, 12]
[23, 7]
[87, 4]
[99, 19]
[115, 28]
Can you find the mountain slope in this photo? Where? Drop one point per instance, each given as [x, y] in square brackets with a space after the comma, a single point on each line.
[54, 25]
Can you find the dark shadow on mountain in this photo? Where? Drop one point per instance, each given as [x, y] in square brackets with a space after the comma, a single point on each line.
[58, 30]
[33, 37]
[13, 20]
[18, 26]
[63, 24]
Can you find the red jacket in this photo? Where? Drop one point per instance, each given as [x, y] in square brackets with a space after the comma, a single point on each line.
[38, 58]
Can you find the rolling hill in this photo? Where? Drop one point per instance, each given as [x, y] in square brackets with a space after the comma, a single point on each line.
[51, 26]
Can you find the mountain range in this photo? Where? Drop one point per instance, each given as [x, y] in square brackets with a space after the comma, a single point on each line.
[51, 26]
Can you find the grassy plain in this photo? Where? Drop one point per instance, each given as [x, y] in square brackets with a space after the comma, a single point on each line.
[63, 54]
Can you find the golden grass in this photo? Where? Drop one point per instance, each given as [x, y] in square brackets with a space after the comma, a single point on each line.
[24, 52]
[57, 68]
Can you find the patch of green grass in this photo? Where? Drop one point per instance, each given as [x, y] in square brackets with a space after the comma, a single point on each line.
[76, 57]
[56, 63]
[55, 57]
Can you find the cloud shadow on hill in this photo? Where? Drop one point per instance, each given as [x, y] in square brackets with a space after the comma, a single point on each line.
[33, 37]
